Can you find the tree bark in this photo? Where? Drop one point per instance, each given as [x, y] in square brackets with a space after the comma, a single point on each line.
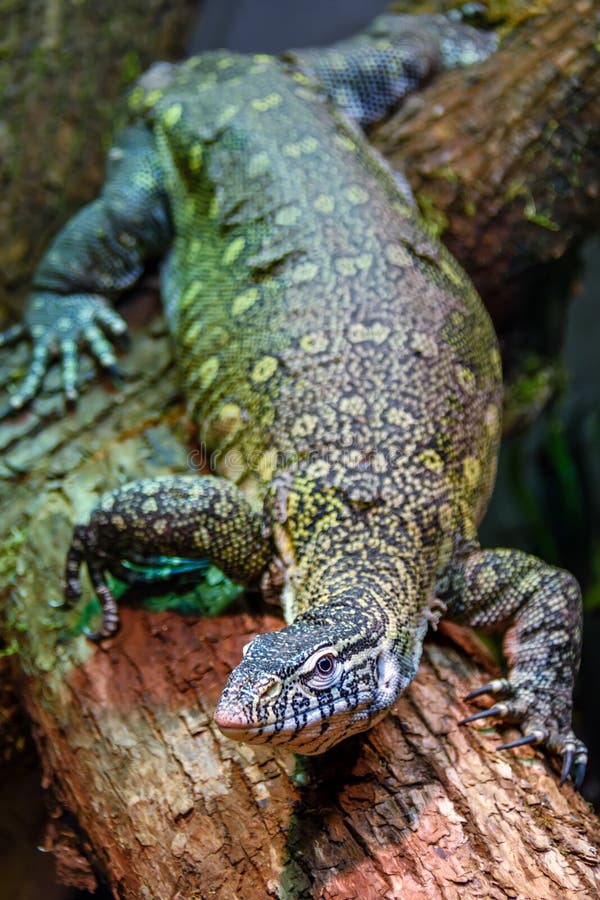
[63, 68]
[504, 161]
[150, 798]
[165, 807]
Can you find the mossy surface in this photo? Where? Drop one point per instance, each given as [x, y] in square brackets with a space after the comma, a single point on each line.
[63, 67]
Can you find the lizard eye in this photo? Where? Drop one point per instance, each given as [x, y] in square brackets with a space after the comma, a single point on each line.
[325, 671]
[325, 665]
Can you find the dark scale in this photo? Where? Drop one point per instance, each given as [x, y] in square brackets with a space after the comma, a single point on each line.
[342, 371]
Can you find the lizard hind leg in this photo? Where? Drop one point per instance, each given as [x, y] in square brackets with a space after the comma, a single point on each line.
[542, 606]
[168, 526]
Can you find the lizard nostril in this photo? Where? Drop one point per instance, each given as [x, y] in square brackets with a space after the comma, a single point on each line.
[271, 689]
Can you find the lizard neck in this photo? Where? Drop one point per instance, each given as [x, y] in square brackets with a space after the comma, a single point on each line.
[337, 550]
[358, 582]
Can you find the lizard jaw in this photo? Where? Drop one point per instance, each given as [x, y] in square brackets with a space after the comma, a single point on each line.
[314, 735]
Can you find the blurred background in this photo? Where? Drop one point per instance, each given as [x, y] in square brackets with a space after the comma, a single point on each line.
[547, 499]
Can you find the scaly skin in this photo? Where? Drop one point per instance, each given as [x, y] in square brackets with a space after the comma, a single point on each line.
[342, 371]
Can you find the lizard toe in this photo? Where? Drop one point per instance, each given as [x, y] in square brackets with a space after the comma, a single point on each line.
[531, 738]
[499, 709]
[574, 757]
[499, 687]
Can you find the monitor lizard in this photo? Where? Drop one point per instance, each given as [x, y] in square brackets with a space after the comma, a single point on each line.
[342, 372]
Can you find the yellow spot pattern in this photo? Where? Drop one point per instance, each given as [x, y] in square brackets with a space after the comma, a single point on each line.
[267, 465]
[466, 379]
[233, 250]
[324, 203]
[492, 420]
[172, 115]
[359, 333]
[424, 344]
[304, 272]
[452, 271]
[397, 255]
[262, 104]
[258, 164]
[289, 215]
[264, 369]
[305, 146]
[349, 266]
[431, 460]
[208, 371]
[314, 342]
[356, 194]
[345, 142]
[472, 471]
[195, 157]
[152, 97]
[244, 301]
[226, 115]
[192, 334]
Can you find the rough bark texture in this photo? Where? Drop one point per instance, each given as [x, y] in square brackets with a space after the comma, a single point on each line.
[504, 161]
[62, 68]
[150, 797]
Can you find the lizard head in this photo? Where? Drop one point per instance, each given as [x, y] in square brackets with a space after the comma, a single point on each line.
[313, 684]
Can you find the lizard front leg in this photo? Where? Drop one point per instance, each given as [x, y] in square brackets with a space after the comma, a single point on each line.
[201, 518]
[99, 253]
[542, 606]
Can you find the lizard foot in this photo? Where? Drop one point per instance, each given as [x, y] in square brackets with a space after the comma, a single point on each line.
[58, 329]
[78, 554]
[540, 726]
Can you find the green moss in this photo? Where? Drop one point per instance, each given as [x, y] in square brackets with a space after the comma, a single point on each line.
[209, 597]
[539, 218]
[434, 218]
[527, 393]
[10, 649]
[11, 623]
[131, 68]
[446, 173]
[517, 189]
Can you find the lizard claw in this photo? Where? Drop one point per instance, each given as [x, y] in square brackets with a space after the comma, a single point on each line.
[499, 709]
[568, 759]
[579, 771]
[534, 738]
[538, 729]
[574, 763]
[498, 687]
[116, 375]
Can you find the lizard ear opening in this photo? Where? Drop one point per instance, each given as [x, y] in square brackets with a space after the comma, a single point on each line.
[388, 679]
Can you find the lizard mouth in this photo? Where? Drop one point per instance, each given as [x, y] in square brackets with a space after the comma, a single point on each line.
[289, 731]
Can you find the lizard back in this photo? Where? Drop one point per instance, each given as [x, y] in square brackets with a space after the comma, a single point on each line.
[317, 323]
